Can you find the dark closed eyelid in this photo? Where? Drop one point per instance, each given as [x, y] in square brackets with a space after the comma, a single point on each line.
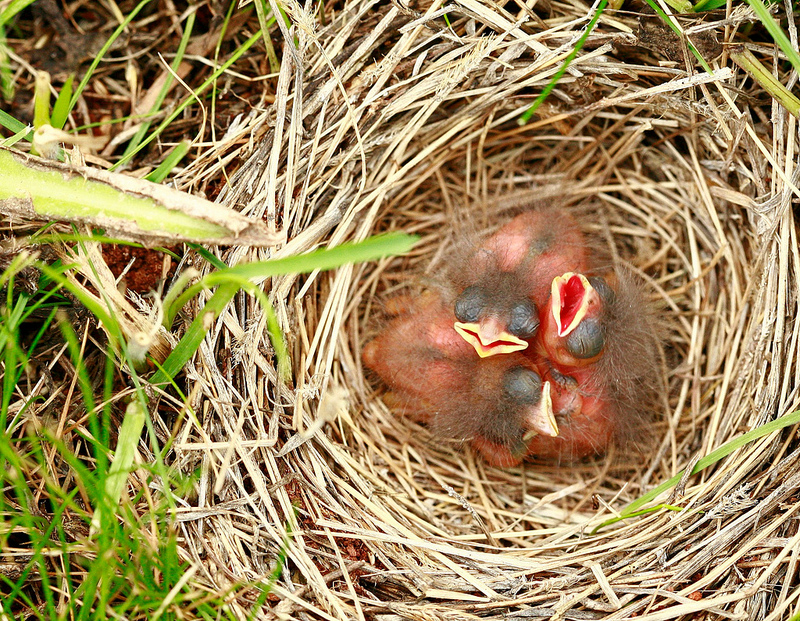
[522, 385]
[603, 289]
[587, 340]
[470, 304]
[524, 320]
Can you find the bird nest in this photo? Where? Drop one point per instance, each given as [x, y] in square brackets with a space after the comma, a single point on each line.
[403, 117]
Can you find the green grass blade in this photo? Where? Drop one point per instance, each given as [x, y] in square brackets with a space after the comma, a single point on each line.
[23, 134]
[129, 433]
[106, 46]
[526, 116]
[61, 106]
[376, 247]
[368, 250]
[709, 5]
[680, 6]
[183, 105]
[776, 32]
[263, 12]
[196, 332]
[41, 100]
[677, 31]
[13, 7]
[712, 458]
[57, 196]
[162, 95]
[6, 73]
[12, 124]
[748, 61]
[172, 159]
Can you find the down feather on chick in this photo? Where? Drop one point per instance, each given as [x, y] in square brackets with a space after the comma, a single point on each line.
[497, 404]
[519, 351]
[501, 288]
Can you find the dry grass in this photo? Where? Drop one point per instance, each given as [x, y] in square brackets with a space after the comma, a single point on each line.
[391, 118]
[388, 119]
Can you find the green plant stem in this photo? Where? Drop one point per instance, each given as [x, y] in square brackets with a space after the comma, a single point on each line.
[776, 32]
[562, 70]
[747, 61]
[704, 462]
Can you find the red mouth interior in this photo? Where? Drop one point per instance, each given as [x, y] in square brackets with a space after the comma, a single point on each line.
[572, 293]
[491, 345]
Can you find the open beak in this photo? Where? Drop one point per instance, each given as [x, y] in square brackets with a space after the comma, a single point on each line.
[574, 298]
[540, 418]
[489, 338]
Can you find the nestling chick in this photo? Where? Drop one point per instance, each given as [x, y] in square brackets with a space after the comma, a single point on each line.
[597, 346]
[498, 404]
[518, 351]
[502, 287]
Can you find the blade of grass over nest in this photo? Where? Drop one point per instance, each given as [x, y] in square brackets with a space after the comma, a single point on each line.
[61, 107]
[208, 256]
[526, 116]
[154, 109]
[186, 102]
[229, 281]
[704, 462]
[776, 32]
[668, 21]
[172, 159]
[99, 57]
[747, 61]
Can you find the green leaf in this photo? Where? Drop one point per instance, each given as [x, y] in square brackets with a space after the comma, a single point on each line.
[710, 459]
[747, 61]
[709, 5]
[172, 159]
[61, 106]
[12, 124]
[368, 250]
[14, 7]
[129, 433]
[776, 32]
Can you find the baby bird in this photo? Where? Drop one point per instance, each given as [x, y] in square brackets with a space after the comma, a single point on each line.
[519, 351]
[598, 348]
[503, 286]
[498, 404]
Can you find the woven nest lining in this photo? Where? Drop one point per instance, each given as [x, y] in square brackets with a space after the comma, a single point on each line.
[391, 119]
